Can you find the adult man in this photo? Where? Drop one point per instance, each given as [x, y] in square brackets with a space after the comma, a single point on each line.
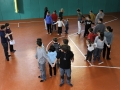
[65, 56]
[99, 15]
[99, 27]
[4, 41]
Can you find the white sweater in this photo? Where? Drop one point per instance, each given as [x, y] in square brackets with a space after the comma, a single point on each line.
[60, 23]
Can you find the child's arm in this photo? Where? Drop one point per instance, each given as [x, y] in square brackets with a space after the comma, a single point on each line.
[106, 42]
[56, 22]
[8, 35]
[63, 23]
[36, 54]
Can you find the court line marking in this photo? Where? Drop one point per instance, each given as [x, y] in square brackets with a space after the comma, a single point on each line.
[96, 67]
[23, 22]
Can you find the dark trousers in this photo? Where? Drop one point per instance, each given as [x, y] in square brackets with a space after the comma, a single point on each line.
[59, 30]
[97, 54]
[5, 47]
[54, 26]
[11, 48]
[89, 55]
[86, 31]
[50, 70]
[49, 28]
[66, 30]
[106, 52]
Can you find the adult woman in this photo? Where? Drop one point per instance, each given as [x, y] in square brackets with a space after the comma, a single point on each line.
[61, 13]
[45, 13]
[8, 31]
[109, 37]
[99, 41]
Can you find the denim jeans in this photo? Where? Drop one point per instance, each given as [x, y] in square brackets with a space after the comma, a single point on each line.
[97, 54]
[42, 71]
[5, 47]
[68, 73]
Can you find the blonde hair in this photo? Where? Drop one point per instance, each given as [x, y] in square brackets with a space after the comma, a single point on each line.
[61, 10]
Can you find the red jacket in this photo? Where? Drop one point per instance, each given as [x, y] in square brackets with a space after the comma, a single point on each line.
[54, 17]
[91, 36]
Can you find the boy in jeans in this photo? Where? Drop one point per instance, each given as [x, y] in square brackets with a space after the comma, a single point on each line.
[66, 57]
[66, 25]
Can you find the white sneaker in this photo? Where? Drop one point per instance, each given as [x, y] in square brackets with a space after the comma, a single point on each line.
[100, 63]
[88, 61]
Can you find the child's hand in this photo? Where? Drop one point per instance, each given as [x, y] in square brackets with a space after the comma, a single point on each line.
[108, 46]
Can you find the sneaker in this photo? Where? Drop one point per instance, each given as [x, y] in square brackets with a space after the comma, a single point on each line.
[58, 34]
[50, 33]
[100, 63]
[9, 55]
[88, 61]
[71, 85]
[13, 51]
[60, 85]
[39, 76]
[50, 76]
[42, 80]
[8, 59]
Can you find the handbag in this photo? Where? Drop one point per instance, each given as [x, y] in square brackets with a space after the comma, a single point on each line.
[12, 42]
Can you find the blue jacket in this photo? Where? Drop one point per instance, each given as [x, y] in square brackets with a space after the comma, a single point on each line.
[48, 19]
[52, 56]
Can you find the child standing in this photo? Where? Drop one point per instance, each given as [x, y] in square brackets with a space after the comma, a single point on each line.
[66, 25]
[56, 44]
[90, 50]
[88, 23]
[54, 19]
[60, 24]
[92, 16]
[52, 55]
[57, 47]
[91, 36]
[49, 22]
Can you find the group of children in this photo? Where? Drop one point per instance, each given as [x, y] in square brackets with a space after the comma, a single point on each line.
[52, 20]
